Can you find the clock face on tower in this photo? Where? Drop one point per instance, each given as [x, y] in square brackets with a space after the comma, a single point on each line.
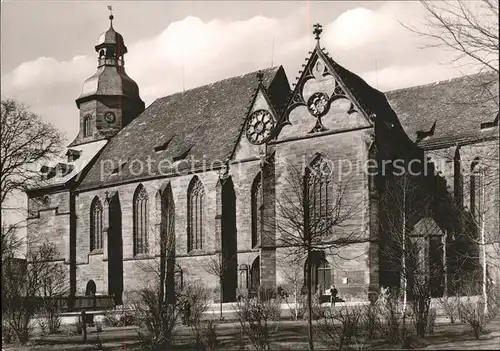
[109, 117]
[259, 127]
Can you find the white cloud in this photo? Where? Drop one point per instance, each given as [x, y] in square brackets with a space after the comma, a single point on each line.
[399, 76]
[357, 27]
[203, 51]
[47, 71]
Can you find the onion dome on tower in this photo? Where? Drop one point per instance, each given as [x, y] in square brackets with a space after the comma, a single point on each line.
[110, 98]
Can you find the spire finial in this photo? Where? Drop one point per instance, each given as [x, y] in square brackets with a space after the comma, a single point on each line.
[318, 29]
[110, 8]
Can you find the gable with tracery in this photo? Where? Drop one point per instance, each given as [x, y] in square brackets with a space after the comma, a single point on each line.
[321, 101]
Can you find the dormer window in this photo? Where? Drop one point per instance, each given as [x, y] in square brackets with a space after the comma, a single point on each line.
[87, 125]
[161, 147]
[488, 125]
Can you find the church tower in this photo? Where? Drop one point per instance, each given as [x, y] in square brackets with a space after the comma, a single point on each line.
[110, 98]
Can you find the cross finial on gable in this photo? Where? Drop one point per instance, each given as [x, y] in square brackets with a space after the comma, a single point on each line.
[318, 29]
[260, 76]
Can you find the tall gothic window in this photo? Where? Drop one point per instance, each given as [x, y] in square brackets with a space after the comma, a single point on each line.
[140, 210]
[257, 205]
[87, 125]
[320, 194]
[95, 224]
[475, 191]
[196, 196]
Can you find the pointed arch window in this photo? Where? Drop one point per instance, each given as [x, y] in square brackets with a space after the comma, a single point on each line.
[255, 276]
[320, 195]
[196, 197]
[96, 224]
[257, 206]
[140, 214]
[87, 125]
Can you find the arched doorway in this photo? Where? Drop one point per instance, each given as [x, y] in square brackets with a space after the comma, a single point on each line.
[115, 250]
[229, 242]
[91, 288]
[321, 275]
[255, 277]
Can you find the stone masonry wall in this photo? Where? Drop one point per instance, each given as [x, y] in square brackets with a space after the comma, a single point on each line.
[48, 221]
[341, 149]
[93, 266]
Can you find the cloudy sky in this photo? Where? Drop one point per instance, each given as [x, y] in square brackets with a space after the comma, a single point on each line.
[48, 47]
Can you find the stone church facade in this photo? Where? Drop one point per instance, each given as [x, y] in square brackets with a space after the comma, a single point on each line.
[209, 168]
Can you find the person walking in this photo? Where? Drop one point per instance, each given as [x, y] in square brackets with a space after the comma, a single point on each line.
[333, 295]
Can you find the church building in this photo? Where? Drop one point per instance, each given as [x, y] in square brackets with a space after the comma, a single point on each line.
[209, 174]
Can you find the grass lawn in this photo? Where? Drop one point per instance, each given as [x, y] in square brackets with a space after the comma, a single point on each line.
[291, 335]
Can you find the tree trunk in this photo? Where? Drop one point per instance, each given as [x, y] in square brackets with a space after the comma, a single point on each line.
[221, 294]
[483, 243]
[404, 270]
[295, 301]
[445, 266]
[309, 301]
[161, 296]
[308, 242]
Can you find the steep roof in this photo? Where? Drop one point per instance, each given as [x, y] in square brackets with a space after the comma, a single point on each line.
[388, 129]
[204, 123]
[458, 106]
[201, 123]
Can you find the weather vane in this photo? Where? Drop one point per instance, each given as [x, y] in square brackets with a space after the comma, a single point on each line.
[318, 29]
[110, 8]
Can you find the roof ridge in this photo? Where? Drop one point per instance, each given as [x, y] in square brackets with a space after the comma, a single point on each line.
[270, 69]
[439, 82]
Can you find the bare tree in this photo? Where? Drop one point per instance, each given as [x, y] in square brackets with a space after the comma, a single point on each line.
[259, 317]
[10, 242]
[413, 246]
[25, 140]
[158, 305]
[293, 281]
[166, 238]
[481, 218]
[53, 287]
[470, 28]
[217, 267]
[305, 225]
[25, 282]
